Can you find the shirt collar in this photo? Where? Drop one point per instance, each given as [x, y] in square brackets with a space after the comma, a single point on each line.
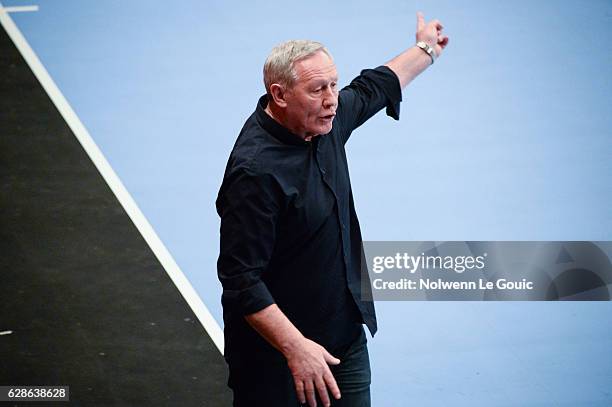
[275, 128]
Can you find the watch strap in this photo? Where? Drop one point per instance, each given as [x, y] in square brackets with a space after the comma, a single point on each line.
[428, 50]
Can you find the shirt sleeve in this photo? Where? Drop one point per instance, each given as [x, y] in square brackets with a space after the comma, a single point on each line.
[367, 94]
[249, 211]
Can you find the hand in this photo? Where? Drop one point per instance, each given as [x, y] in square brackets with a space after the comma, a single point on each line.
[308, 365]
[431, 34]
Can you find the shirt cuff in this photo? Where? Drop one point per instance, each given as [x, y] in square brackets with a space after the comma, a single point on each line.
[249, 300]
[390, 85]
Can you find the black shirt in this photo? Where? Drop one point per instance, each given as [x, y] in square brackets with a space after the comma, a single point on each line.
[289, 231]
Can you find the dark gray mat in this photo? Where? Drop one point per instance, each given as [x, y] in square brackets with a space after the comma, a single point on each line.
[88, 303]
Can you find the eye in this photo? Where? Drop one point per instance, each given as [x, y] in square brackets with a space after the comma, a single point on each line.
[317, 90]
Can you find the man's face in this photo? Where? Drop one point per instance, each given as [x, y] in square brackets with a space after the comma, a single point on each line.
[312, 102]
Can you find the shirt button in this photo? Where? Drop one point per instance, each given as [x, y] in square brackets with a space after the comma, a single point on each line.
[323, 170]
[342, 226]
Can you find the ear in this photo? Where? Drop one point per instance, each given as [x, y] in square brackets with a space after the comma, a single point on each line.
[279, 95]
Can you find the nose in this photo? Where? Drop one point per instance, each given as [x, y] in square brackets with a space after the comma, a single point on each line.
[330, 99]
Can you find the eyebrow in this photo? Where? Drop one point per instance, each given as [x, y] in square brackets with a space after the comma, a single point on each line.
[321, 82]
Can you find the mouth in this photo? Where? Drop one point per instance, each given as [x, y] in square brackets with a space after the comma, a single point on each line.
[328, 118]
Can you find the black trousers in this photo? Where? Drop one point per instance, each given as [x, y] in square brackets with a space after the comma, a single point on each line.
[271, 384]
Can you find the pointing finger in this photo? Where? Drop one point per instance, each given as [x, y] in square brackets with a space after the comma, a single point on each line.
[420, 21]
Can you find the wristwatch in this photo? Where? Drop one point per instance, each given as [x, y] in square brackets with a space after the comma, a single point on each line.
[429, 50]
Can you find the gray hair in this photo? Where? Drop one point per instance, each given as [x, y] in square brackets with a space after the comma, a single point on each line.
[279, 64]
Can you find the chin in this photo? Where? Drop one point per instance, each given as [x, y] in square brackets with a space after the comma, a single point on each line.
[325, 129]
[320, 129]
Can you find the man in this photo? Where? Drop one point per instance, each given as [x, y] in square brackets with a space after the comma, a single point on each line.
[290, 256]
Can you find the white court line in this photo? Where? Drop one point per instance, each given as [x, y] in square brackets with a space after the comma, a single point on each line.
[18, 9]
[113, 181]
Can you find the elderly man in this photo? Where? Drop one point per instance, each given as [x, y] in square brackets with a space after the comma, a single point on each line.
[291, 249]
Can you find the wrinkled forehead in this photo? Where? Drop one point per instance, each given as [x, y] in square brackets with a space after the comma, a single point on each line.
[317, 67]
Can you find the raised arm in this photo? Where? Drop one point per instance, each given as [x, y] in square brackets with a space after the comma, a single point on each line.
[410, 63]
[376, 88]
